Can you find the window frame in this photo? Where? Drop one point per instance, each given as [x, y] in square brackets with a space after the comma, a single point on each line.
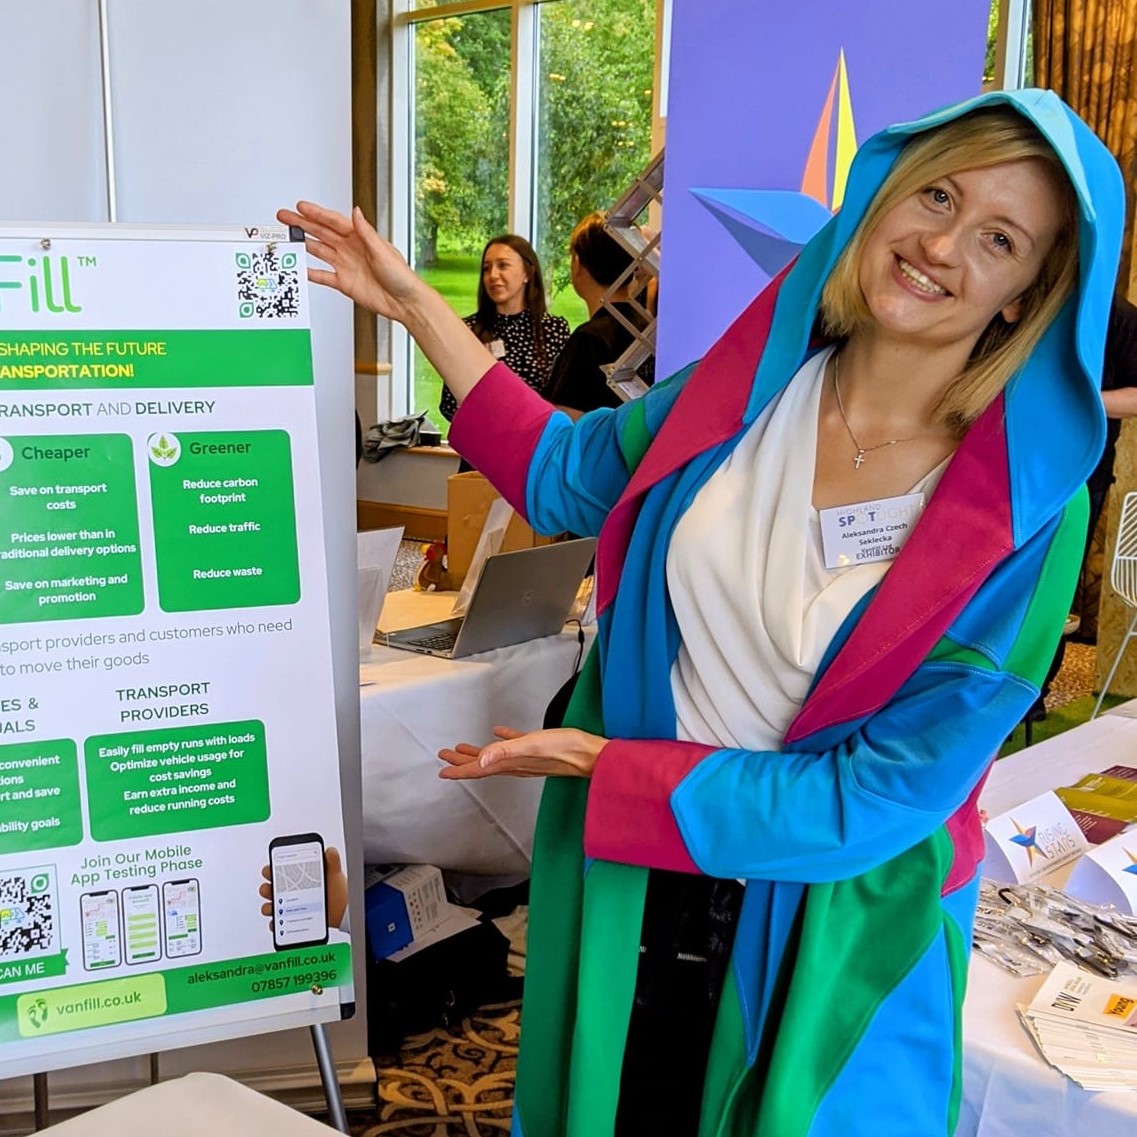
[1011, 44]
[523, 150]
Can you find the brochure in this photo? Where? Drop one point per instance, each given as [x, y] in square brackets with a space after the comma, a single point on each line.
[1086, 1026]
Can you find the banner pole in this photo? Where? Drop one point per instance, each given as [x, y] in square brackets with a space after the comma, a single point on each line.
[108, 116]
[328, 1078]
[42, 1106]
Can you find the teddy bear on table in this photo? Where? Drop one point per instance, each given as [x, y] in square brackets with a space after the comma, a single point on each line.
[432, 573]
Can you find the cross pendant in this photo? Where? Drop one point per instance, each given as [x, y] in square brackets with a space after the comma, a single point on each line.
[859, 459]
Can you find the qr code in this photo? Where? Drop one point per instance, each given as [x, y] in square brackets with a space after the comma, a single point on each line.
[27, 913]
[268, 284]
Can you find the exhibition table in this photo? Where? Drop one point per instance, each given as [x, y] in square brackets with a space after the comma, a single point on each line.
[411, 706]
[1008, 1089]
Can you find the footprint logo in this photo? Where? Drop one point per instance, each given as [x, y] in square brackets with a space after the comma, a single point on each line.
[37, 1013]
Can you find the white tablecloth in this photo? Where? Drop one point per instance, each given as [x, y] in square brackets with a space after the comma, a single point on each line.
[1008, 1089]
[413, 705]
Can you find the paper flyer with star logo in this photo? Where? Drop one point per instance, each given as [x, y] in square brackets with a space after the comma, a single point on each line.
[1032, 840]
[1108, 874]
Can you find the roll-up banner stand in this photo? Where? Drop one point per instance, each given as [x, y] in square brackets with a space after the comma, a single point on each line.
[171, 831]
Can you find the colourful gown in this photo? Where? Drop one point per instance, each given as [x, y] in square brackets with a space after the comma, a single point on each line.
[859, 840]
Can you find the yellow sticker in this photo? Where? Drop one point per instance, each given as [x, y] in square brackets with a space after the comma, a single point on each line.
[1119, 1006]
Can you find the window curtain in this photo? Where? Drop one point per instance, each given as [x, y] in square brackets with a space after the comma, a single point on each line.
[1086, 51]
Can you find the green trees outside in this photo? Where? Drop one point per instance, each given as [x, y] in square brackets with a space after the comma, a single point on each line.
[461, 133]
[594, 66]
[594, 114]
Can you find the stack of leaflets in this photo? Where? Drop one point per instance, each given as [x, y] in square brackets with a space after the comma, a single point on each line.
[1086, 1026]
[1103, 804]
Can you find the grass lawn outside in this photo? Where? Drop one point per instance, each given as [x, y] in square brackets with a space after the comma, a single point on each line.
[1058, 720]
[456, 279]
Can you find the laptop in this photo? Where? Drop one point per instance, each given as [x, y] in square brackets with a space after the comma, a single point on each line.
[520, 596]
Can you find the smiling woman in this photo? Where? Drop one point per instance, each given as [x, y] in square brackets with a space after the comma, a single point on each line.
[512, 317]
[505, 277]
[987, 216]
[986, 233]
[756, 863]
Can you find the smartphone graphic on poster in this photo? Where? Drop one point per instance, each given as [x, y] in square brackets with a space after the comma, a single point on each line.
[181, 918]
[102, 933]
[299, 891]
[140, 917]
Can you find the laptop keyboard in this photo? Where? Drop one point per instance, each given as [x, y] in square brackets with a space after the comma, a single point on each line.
[443, 641]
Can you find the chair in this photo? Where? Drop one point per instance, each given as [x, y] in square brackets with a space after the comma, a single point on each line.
[1123, 581]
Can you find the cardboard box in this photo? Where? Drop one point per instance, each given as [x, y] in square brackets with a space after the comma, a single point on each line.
[402, 906]
[468, 500]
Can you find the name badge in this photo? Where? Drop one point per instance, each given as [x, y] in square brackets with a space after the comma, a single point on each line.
[868, 531]
[497, 349]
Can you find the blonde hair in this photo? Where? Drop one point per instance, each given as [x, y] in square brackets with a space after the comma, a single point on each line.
[986, 137]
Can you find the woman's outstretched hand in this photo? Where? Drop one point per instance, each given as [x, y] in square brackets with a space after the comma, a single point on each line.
[374, 274]
[559, 753]
[364, 267]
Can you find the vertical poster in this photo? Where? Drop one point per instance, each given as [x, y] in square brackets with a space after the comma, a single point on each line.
[167, 731]
[767, 104]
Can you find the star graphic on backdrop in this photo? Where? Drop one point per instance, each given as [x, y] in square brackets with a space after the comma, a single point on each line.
[1132, 866]
[773, 225]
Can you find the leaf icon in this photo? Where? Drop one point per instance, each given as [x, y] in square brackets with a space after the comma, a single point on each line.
[163, 450]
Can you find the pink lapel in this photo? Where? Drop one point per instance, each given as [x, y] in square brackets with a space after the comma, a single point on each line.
[964, 533]
[707, 412]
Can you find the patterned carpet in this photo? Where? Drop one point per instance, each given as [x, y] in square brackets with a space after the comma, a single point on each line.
[445, 1083]
[407, 562]
[449, 1083]
[1075, 679]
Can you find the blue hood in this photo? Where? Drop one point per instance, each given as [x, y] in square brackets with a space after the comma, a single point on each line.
[1054, 417]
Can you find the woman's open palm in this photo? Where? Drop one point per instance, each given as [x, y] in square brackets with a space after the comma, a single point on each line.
[561, 752]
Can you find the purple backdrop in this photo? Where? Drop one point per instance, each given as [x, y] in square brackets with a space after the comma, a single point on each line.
[748, 83]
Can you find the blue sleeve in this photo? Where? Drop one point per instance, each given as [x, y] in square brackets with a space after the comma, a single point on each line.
[579, 469]
[828, 814]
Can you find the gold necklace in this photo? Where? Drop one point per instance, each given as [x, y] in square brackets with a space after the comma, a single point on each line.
[859, 460]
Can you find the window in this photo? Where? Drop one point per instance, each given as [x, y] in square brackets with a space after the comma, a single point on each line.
[460, 172]
[594, 109]
[523, 116]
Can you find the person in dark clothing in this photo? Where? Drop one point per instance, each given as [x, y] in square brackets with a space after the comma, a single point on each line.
[1119, 397]
[578, 383]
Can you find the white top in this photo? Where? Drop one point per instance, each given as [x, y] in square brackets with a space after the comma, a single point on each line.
[755, 604]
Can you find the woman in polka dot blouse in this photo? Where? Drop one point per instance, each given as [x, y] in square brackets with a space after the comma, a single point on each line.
[512, 319]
